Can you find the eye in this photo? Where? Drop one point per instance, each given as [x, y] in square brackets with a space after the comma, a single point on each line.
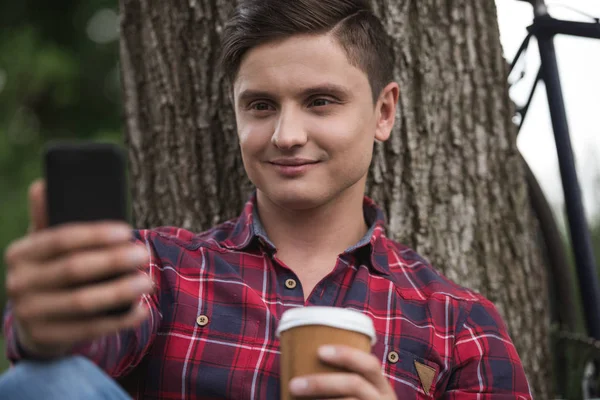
[260, 106]
[320, 103]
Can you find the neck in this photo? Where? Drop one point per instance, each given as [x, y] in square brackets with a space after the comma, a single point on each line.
[328, 229]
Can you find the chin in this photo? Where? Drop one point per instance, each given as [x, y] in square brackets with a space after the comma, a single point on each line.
[297, 198]
[307, 194]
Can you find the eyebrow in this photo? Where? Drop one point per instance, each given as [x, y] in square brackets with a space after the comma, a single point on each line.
[332, 89]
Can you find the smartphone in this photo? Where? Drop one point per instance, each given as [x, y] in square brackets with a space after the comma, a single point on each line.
[86, 182]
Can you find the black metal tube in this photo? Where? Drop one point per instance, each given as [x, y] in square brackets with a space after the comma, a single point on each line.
[522, 48]
[580, 235]
[523, 111]
[545, 24]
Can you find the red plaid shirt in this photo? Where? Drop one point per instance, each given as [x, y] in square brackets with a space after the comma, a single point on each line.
[221, 294]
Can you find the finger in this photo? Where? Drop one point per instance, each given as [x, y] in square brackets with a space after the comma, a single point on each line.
[87, 300]
[76, 268]
[357, 361]
[38, 217]
[51, 333]
[335, 385]
[49, 243]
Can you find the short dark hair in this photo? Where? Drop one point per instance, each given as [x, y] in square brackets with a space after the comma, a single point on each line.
[352, 22]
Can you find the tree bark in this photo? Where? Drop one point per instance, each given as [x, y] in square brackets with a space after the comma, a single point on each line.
[450, 180]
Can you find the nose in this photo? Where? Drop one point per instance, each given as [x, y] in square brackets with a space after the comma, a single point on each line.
[289, 132]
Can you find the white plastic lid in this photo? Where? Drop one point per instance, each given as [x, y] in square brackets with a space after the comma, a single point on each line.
[335, 317]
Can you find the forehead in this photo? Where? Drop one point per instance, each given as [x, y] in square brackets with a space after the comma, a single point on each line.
[297, 63]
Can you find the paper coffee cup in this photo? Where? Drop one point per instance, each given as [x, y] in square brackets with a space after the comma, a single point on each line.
[303, 330]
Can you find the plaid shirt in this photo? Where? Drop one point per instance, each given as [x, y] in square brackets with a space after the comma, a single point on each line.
[221, 293]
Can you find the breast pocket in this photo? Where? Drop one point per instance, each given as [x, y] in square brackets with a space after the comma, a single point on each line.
[207, 350]
[408, 373]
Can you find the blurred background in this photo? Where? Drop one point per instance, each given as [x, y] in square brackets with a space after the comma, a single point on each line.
[59, 78]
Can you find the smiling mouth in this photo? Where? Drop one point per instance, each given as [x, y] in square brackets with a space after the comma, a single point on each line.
[294, 165]
[293, 168]
[294, 162]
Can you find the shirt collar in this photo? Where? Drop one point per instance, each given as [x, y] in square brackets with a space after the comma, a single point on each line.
[249, 231]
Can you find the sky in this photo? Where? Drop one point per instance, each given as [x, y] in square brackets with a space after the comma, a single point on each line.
[579, 67]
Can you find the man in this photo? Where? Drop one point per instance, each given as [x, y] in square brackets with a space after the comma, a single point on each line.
[312, 89]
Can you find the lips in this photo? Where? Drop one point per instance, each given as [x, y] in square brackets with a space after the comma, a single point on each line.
[293, 162]
[293, 167]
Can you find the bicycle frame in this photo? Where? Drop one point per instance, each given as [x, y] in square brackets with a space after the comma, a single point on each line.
[544, 28]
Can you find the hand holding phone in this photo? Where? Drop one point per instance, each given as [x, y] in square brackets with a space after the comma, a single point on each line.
[86, 182]
[63, 280]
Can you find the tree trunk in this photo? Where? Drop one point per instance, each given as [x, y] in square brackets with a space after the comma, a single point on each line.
[450, 180]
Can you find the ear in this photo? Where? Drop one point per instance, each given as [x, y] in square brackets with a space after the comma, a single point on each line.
[385, 110]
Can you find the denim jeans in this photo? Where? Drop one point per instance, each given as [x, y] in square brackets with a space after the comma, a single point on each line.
[66, 378]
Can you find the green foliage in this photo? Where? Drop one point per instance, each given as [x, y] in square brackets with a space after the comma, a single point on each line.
[573, 350]
[4, 363]
[55, 83]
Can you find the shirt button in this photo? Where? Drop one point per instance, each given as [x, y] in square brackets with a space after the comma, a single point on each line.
[290, 284]
[393, 357]
[202, 320]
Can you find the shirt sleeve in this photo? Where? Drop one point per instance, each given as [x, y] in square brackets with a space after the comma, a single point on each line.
[486, 363]
[118, 353]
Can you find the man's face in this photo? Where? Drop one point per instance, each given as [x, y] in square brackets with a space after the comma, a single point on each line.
[306, 121]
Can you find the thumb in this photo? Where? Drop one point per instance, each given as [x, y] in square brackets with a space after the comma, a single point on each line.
[38, 217]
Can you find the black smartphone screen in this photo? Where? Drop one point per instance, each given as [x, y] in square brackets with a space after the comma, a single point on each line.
[86, 182]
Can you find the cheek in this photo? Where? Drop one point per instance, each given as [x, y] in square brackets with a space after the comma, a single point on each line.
[254, 137]
[351, 149]
[351, 140]
[250, 150]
